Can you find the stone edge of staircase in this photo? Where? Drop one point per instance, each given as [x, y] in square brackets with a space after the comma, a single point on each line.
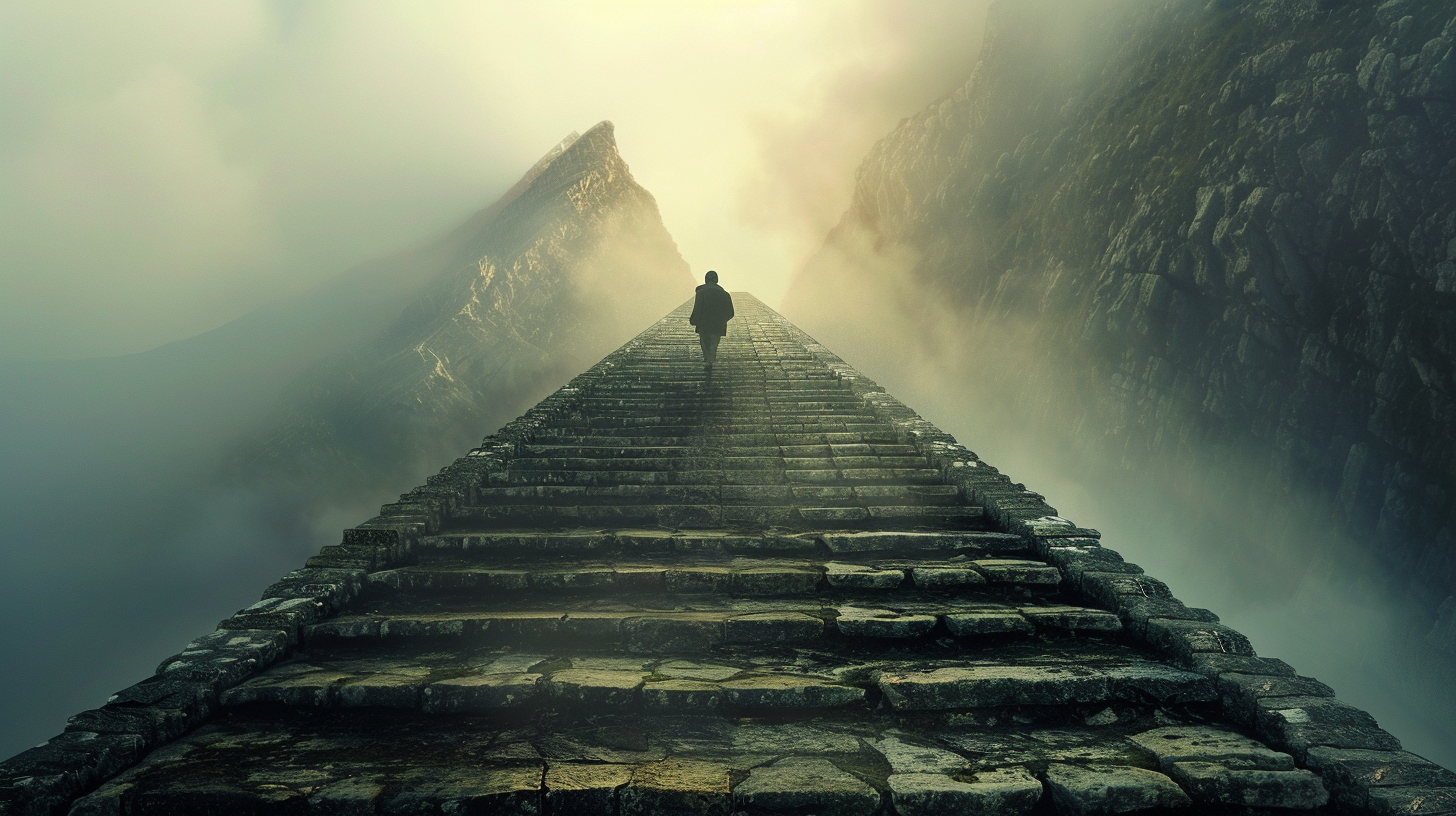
[100, 743]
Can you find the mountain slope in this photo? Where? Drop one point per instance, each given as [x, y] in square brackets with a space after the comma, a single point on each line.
[570, 263]
[1207, 244]
[119, 538]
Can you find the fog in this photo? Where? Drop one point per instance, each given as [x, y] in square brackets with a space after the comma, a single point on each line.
[181, 183]
[1222, 530]
[168, 168]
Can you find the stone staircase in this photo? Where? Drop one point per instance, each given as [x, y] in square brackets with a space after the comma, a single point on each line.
[775, 591]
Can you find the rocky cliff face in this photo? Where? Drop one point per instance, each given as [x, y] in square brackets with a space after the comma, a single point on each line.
[1215, 226]
[573, 261]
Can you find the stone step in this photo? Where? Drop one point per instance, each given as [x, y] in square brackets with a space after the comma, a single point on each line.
[726, 461]
[718, 476]
[706, 446]
[506, 544]
[861, 495]
[693, 404]
[643, 762]
[993, 685]
[712, 572]
[760, 599]
[721, 418]
[699, 516]
[689, 380]
[691, 476]
[609, 437]
[657, 626]
[823, 400]
[732, 682]
[646, 426]
[517, 682]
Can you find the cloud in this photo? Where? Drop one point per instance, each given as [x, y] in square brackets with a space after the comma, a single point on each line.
[166, 169]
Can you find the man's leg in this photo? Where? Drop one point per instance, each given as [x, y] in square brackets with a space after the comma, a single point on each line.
[710, 349]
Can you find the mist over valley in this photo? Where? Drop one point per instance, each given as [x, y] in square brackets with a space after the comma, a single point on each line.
[1185, 270]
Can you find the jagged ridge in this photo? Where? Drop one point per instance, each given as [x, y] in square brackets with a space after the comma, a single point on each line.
[565, 266]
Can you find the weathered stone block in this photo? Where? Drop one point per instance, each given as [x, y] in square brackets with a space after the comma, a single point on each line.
[989, 793]
[1160, 684]
[1072, 618]
[291, 684]
[683, 696]
[941, 577]
[1018, 571]
[1217, 784]
[504, 790]
[1115, 590]
[595, 688]
[910, 542]
[286, 614]
[990, 622]
[986, 686]
[699, 579]
[909, 758]
[588, 790]
[773, 627]
[805, 785]
[774, 581]
[484, 692]
[689, 670]
[1350, 773]
[576, 578]
[1184, 638]
[789, 691]
[216, 796]
[1297, 724]
[353, 626]
[860, 576]
[1076, 560]
[679, 787]
[1242, 692]
[1411, 801]
[424, 627]
[192, 699]
[1137, 613]
[152, 723]
[641, 579]
[1215, 664]
[383, 691]
[882, 623]
[333, 587]
[1108, 789]
[1197, 743]
[346, 797]
[675, 633]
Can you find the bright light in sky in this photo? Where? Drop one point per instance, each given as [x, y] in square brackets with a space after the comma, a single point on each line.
[167, 167]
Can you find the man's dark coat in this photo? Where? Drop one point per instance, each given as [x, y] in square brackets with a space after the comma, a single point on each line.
[712, 309]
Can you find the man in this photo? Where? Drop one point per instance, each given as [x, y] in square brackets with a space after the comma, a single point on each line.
[712, 309]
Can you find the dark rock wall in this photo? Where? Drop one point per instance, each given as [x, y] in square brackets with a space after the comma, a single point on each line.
[1233, 222]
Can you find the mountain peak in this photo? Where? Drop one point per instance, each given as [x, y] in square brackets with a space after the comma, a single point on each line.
[568, 264]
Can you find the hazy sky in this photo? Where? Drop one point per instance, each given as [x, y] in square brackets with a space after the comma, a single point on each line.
[168, 166]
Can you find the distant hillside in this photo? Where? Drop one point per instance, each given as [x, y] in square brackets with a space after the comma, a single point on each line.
[572, 262]
[121, 540]
[1207, 245]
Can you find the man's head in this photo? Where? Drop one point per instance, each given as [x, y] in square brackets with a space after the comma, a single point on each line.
[711, 277]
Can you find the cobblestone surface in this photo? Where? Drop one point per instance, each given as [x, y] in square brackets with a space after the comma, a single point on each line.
[778, 591]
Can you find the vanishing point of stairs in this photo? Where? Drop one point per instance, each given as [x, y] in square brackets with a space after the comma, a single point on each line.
[775, 591]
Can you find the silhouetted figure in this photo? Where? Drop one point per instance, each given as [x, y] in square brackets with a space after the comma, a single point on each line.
[712, 310]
